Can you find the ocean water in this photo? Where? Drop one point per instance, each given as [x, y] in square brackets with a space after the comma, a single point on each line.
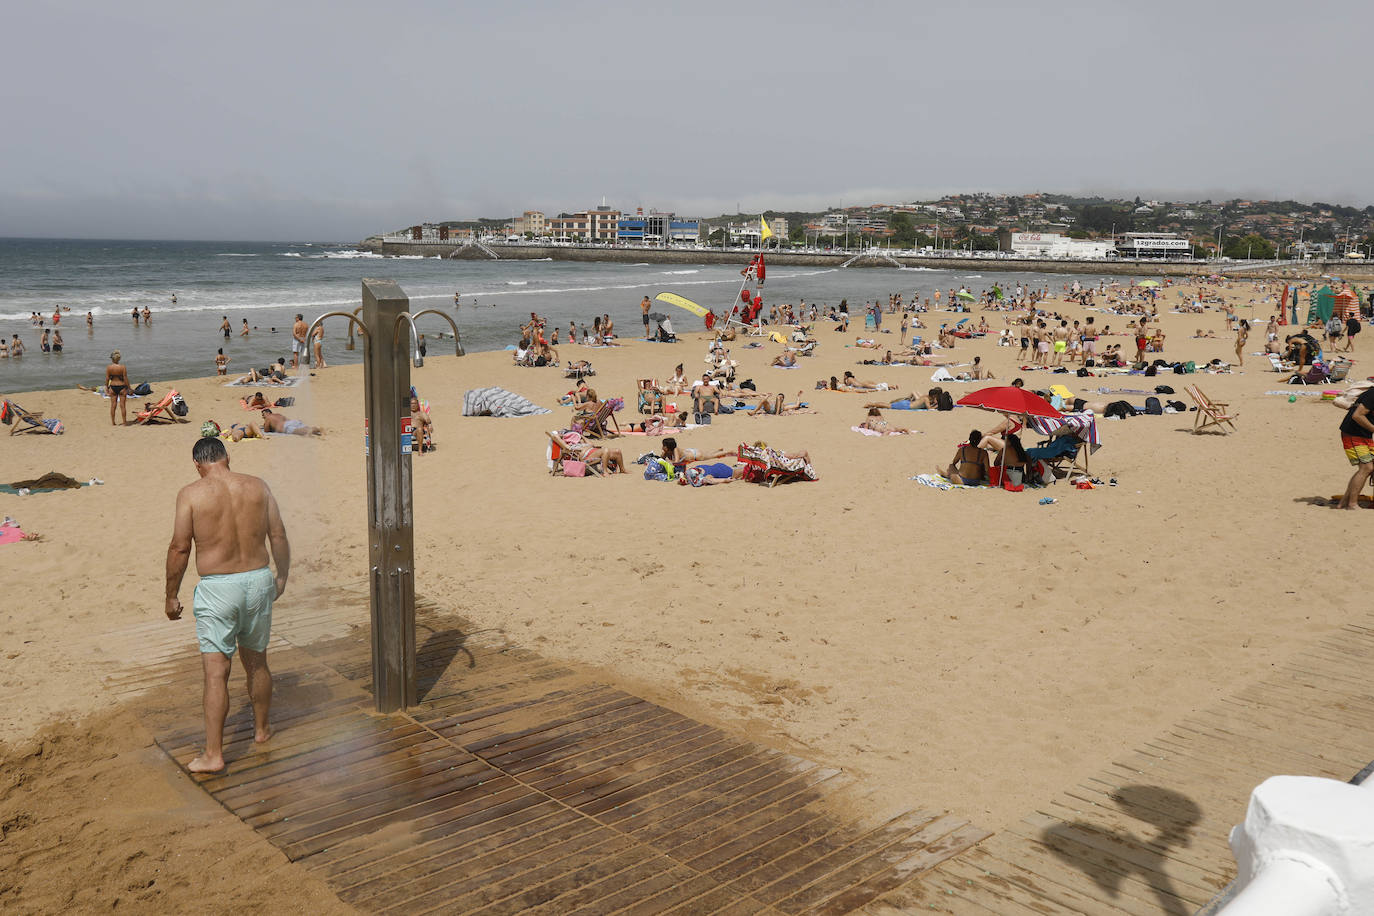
[268, 283]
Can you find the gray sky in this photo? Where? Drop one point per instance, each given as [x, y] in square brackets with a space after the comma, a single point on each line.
[315, 120]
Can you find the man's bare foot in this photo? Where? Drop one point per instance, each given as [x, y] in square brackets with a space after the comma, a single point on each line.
[204, 764]
[263, 736]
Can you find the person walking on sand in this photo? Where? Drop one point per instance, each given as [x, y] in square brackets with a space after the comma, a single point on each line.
[117, 387]
[1357, 438]
[298, 332]
[232, 519]
[644, 306]
[1242, 334]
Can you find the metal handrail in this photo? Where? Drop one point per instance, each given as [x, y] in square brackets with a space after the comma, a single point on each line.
[352, 320]
[457, 340]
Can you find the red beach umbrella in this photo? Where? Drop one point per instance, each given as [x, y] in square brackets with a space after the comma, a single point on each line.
[1010, 399]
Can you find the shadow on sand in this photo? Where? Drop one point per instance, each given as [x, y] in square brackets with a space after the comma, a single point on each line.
[1109, 857]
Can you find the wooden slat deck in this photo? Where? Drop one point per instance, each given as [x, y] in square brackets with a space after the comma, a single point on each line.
[519, 785]
[1148, 834]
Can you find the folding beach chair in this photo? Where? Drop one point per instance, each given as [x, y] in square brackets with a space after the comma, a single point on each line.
[560, 451]
[1062, 454]
[24, 421]
[161, 412]
[598, 425]
[650, 399]
[1209, 412]
[766, 466]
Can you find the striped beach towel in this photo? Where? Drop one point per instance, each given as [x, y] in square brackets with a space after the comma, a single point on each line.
[500, 402]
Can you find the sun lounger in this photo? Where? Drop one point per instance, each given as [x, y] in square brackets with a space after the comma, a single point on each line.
[1209, 412]
[24, 421]
[768, 467]
[161, 412]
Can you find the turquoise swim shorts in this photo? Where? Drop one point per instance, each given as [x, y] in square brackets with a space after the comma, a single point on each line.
[234, 610]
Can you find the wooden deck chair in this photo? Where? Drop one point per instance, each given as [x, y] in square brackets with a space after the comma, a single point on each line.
[559, 451]
[1209, 412]
[25, 421]
[161, 412]
[599, 424]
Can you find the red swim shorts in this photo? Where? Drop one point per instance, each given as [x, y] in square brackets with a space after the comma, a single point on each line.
[1358, 450]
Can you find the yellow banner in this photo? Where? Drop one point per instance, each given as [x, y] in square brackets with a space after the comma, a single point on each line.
[682, 303]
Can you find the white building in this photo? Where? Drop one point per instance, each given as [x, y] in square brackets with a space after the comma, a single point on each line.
[1052, 245]
[1153, 245]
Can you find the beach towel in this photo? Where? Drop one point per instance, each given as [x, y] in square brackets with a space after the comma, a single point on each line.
[940, 482]
[500, 403]
[291, 381]
[10, 535]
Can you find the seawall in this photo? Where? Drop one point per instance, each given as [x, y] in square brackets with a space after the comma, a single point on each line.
[1304, 271]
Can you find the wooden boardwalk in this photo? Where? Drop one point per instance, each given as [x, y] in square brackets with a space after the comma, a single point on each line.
[519, 785]
[1148, 834]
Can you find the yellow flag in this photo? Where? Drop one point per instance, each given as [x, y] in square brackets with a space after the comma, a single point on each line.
[764, 231]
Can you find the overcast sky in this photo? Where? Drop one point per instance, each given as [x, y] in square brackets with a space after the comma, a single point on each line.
[334, 120]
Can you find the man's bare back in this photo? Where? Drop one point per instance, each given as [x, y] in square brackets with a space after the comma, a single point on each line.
[230, 519]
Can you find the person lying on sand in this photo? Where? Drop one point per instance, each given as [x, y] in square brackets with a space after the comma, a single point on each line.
[773, 405]
[931, 401]
[237, 432]
[851, 383]
[658, 424]
[707, 475]
[875, 422]
[785, 360]
[677, 455]
[970, 464]
[276, 423]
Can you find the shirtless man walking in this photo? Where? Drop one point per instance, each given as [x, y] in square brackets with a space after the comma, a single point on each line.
[231, 518]
[644, 306]
[298, 332]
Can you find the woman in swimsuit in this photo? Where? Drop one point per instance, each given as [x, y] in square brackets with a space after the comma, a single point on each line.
[970, 464]
[875, 422]
[117, 386]
[680, 456]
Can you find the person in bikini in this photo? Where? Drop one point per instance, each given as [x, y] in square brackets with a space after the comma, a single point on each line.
[117, 387]
[875, 422]
[970, 464]
[680, 456]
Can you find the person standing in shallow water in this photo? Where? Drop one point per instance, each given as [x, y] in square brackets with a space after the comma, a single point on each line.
[232, 519]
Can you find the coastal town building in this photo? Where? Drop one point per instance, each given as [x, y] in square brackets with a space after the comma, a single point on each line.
[1152, 245]
[531, 222]
[1053, 245]
[657, 228]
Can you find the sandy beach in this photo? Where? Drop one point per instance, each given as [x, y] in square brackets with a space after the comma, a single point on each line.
[969, 650]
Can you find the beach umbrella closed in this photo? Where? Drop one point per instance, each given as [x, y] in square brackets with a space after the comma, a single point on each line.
[1009, 399]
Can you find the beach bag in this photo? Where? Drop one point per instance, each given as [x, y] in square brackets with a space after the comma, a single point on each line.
[574, 468]
[1152, 407]
[291, 402]
[1163, 389]
[179, 406]
[654, 471]
[209, 429]
[143, 389]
